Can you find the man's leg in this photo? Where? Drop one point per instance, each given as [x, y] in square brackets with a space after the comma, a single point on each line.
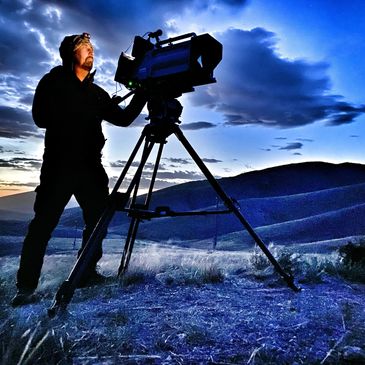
[92, 194]
[52, 196]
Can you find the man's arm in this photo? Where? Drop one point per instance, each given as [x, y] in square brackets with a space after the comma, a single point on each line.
[43, 103]
[125, 117]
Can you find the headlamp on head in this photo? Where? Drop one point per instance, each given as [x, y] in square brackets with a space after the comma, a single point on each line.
[70, 44]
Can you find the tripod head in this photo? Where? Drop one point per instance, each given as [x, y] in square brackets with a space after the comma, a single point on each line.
[163, 114]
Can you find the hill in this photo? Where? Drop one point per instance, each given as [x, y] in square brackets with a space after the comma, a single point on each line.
[284, 202]
[17, 206]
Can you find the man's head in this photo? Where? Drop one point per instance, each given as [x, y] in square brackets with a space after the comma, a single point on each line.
[77, 50]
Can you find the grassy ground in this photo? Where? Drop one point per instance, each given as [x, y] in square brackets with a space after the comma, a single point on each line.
[185, 306]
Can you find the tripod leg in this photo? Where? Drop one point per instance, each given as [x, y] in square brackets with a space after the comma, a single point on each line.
[133, 228]
[128, 247]
[229, 204]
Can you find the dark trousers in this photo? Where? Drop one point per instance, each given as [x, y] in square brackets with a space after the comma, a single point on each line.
[89, 185]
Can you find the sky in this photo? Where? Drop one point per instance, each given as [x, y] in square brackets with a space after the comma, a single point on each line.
[290, 87]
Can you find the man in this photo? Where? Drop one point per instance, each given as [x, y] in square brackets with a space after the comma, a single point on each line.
[71, 108]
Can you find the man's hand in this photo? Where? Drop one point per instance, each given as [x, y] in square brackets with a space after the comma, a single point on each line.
[116, 99]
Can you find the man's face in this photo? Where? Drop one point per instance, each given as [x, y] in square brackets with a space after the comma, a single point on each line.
[84, 56]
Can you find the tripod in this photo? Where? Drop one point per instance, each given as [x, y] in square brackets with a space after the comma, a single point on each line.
[164, 119]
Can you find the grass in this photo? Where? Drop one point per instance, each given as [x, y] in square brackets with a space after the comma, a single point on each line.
[135, 318]
[310, 269]
[37, 344]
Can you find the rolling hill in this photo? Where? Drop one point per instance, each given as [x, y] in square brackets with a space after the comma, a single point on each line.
[303, 202]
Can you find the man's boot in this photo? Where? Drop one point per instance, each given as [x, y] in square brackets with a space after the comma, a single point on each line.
[23, 297]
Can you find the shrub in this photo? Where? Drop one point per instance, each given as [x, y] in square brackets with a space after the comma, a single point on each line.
[312, 271]
[259, 261]
[351, 263]
[289, 261]
[352, 254]
[212, 275]
[135, 277]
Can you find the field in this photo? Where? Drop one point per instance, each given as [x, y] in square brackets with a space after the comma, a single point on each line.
[190, 306]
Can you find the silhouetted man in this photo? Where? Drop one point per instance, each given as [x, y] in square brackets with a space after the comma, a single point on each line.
[71, 108]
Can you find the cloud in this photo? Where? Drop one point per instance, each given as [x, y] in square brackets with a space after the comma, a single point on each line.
[211, 160]
[181, 175]
[119, 21]
[197, 125]
[292, 146]
[179, 161]
[305, 140]
[256, 86]
[13, 185]
[21, 51]
[149, 166]
[164, 178]
[17, 123]
[23, 164]
[344, 114]
[145, 183]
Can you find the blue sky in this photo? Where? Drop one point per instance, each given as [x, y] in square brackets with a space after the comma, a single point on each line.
[289, 89]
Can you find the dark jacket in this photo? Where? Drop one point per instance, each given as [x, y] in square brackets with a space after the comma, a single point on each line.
[71, 111]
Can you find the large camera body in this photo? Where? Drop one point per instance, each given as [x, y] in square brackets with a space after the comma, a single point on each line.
[170, 67]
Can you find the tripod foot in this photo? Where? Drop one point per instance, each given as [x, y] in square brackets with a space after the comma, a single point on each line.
[52, 312]
[291, 284]
[61, 299]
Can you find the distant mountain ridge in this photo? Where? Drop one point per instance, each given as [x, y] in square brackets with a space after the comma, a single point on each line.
[283, 202]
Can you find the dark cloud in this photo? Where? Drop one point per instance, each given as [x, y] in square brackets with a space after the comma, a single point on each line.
[22, 164]
[119, 21]
[305, 140]
[280, 138]
[179, 161]
[354, 136]
[21, 51]
[174, 175]
[197, 125]
[145, 183]
[163, 179]
[256, 86]
[344, 114]
[211, 160]
[181, 175]
[148, 166]
[17, 123]
[11, 151]
[292, 146]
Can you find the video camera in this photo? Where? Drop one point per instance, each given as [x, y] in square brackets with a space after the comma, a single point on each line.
[169, 67]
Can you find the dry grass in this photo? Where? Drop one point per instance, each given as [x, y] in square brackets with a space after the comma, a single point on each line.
[186, 305]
